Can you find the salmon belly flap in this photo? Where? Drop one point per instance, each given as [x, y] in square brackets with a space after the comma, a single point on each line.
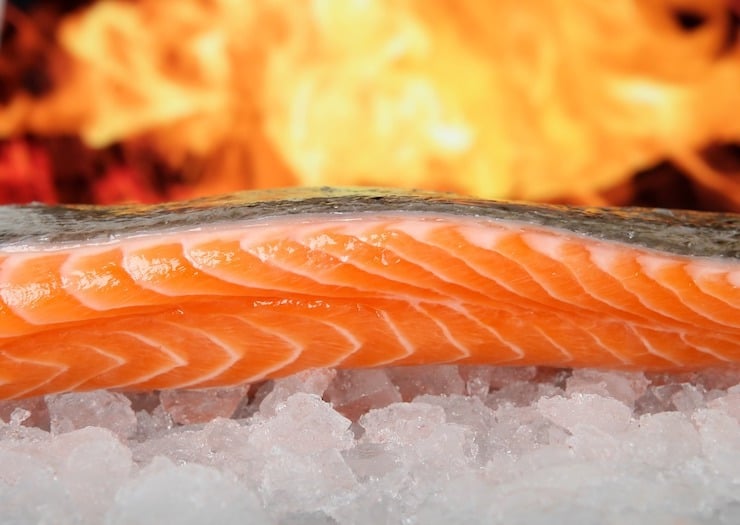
[220, 306]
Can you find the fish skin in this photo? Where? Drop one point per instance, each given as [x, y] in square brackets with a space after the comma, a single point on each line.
[223, 291]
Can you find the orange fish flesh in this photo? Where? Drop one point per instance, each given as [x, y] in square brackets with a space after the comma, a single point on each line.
[223, 291]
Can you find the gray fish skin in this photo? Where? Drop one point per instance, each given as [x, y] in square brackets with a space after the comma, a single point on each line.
[688, 233]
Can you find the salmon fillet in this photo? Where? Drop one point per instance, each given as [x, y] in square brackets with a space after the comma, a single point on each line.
[218, 292]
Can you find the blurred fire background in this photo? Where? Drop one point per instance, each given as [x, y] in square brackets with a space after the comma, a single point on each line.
[584, 101]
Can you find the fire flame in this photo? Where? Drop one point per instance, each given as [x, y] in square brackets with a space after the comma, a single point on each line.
[524, 99]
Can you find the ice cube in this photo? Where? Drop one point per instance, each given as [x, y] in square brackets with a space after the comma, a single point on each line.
[354, 392]
[303, 424]
[37, 412]
[187, 407]
[627, 387]
[418, 380]
[469, 412]
[689, 397]
[404, 423]
[30, 491]
[221, 443]
[534, 445]
[154, 424]
[604, 413]
[184, 494]
[92, 465]
[729, 404]
[292, 483]
[480, 380]
[109, 410]
[420, 435]
[663, 440]
[310, 382]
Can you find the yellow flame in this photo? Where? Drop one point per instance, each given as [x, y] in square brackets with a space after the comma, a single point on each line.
[529, 99]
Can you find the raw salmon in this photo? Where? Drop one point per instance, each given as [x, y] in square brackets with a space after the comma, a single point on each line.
[222, 291]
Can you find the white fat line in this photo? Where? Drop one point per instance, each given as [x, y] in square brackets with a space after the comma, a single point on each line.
[326, 249]
[588, 289]
[60, 369]
[79, 284]
[566, 354]
[486, 238]
[316, 229]
[482, 275]
[416, 229]
[177, 360]
[117, 362]
[514, 348]
[410, 349]
[356, 343]
[546, 244]
[608, 348]
[602, 259]
[141, 269]
[699, 275]
[18, 297]
[145, 271]
[482, 272]
[243, 280]
[550, 246]
[650, 347]
[383, 275]
[332, 283]
[566, 301]
[704, 349]
[464, 351]
[429, 268]
[364, 233]
[651, 266]
[232, 356]
[292, 358]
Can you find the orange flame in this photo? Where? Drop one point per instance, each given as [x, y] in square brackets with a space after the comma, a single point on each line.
[512, 99]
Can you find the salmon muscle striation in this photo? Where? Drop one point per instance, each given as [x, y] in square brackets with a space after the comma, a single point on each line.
[222, 291]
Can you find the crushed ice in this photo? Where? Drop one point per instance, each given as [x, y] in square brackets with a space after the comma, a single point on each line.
[438, 444]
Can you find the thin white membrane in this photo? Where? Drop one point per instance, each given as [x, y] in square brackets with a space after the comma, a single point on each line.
[18, 297]
[292, 343]
[604, 260]
[652, 267]
[478, 444]
[419, 231]
[409, 348]
[550, 246]
[514, 348]
[365, 234]
[176, 360]
[464, 351]
[701, 273]
[116, 362]
[567, 357]
[319, 241]
[48, 378]
[609, 349]
[701, 348]
[486, 239]
[650, 347]
[232, 356]
[548, 242]
[351, 339]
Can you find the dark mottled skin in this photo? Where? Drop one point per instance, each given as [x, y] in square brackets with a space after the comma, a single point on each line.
[680, 232]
